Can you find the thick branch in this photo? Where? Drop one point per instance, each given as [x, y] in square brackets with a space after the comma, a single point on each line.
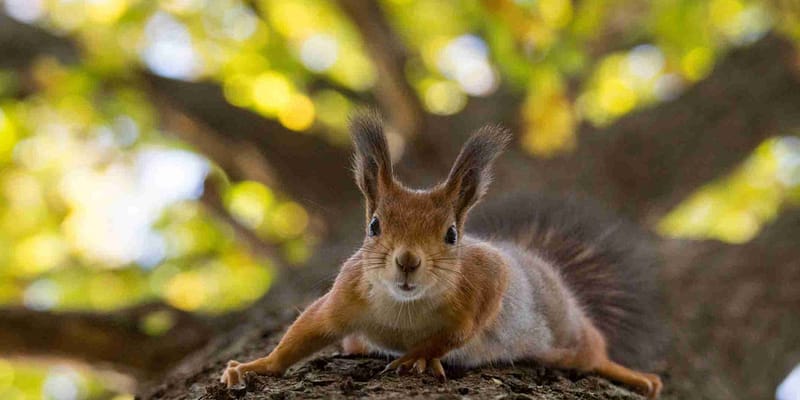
[19, 44]
[331, 375]
[647, 162]
[213, 202]
[239, 159]
[396, 96]
[306, 167]
[656, 158]
[116, 339]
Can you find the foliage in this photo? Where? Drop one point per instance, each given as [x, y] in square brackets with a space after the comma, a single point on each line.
[734, 208]
[100, 207]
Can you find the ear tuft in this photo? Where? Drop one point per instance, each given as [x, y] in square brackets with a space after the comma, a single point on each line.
[366, 127]
[372, 164]
[471, 173]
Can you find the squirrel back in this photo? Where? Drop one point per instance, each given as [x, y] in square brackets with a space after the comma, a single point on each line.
[608, 265]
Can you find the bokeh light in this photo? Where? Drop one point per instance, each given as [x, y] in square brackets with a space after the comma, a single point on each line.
[101, 207]
[465, 59]
[319, 52]
[25, 10]
[734, 208]
[444, 97]
[272, 92]
[169, 50]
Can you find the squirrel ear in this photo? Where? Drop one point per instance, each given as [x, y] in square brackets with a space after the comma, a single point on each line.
[471, 173]
[371, 162]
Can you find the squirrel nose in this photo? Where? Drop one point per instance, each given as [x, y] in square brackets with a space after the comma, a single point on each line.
[407, 261]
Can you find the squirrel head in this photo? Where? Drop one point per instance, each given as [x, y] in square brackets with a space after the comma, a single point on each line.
[413, 242]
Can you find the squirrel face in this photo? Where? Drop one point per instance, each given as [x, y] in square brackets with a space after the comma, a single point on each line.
[412, 244]
[413, 237]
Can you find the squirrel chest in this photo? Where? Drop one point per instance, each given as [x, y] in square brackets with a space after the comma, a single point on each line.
[396, 326]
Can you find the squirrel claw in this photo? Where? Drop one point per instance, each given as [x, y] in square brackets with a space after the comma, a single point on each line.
[392, 366]
[401, 366]
[437, 370]
[417, 366]
[654, 385]
[232, 377]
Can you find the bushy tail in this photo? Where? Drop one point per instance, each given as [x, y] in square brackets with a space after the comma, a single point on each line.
[609, 266]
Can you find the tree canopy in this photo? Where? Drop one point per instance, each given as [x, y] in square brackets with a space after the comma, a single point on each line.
[167, 158]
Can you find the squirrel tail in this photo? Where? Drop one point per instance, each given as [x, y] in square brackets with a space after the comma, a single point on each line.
[610, 266]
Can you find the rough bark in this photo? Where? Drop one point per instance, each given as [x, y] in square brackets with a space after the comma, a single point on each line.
[332, 375]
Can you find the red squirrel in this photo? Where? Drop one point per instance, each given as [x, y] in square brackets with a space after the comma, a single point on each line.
[423, 289]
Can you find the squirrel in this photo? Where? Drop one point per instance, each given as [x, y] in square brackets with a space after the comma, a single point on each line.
[539, 287]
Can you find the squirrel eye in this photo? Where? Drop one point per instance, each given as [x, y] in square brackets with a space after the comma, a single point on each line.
[374, 227]
[451, 236]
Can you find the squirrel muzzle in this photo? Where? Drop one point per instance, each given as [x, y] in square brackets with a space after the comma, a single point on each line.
[407, 262]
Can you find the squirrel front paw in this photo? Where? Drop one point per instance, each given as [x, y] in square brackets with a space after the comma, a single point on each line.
[654, 385]
[407, 364]
[234, 375]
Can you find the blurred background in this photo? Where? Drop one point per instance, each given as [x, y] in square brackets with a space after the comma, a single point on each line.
[161, 161]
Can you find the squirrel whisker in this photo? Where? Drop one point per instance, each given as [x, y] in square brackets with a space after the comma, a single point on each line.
[452, 248]
[447, 269]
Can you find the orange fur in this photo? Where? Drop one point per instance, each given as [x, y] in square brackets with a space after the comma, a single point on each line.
[590, 354]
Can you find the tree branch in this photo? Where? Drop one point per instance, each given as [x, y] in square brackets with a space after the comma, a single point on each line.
[654, 159]
[728, 303]
[116, 339]
[213, 202]
[240, 160]
[396, 96]
[305, 167]
[649, 161]
[20, 43]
